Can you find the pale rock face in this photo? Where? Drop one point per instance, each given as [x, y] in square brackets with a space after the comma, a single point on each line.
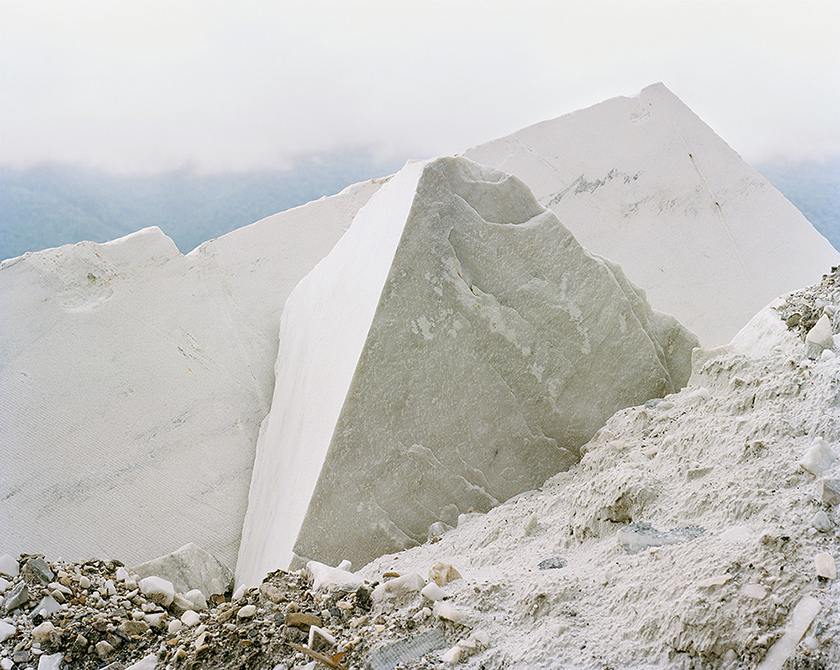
[643, 181]
[133, 381]
[190, 567]
[454, 349]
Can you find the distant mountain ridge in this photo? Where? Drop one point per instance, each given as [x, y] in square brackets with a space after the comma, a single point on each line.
[53, 205]
[48, 206]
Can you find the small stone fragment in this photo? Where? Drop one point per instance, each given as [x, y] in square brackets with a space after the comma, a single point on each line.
[174, 626]
[448, 611]
[155, 620]
[159, 591]
[819, 337]
[301, 620]
[830, 491]
[4, 585]
[7, 663]
[822, 523]
[180, 604]
[122, 574]
[50, 661]
[818, 458]
[443, 573]
[37, 571]
[17, 596]
[47, 607]
[718, 580]
[433, 592]
[401, 586]
[196, 597]
[84, 582]
[825, 565]
[247, 612]
[271, 593]
[552, 563]
[452, 655]
[6, 630]
[134, 628]
[41, 633]
[9, 566]
[190, 618]
[104, 649]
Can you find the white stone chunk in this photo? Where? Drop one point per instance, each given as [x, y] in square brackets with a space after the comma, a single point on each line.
[825, 565]
[50, 661]
[6, 663]
[155, 620]
[174, 626]
[196, 597]
[821, 334]
[239, 593]
[190, 567]
[146, 663]
[9, 566]
[322, 633]
[247, 611]
[4, 585]
[333, 579]
[190, 618]
[41, 632]
[803, 614]
[6, 630]
[448, 611]
[158, 590]
[442, 573]
[454, 349]
[452, 655]
[122, 574]
[399, 587]
[433, 592]
[818, 458]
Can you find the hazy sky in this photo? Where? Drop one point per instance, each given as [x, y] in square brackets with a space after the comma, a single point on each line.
[219, 86]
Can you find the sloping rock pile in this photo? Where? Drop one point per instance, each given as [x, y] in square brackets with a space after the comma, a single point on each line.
[98, 615]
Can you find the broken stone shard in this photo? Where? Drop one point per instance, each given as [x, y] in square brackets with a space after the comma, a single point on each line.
[455, 348]
[638, 536]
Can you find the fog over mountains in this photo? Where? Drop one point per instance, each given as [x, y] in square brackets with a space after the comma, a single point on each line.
[49, 206]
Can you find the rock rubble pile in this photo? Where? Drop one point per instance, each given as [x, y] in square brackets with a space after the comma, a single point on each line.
[99, 615]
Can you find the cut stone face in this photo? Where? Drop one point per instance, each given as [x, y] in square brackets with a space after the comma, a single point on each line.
[455, 348]
[133, 381]
[644, 182]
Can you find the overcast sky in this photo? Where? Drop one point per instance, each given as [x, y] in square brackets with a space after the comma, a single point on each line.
[145, 86]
